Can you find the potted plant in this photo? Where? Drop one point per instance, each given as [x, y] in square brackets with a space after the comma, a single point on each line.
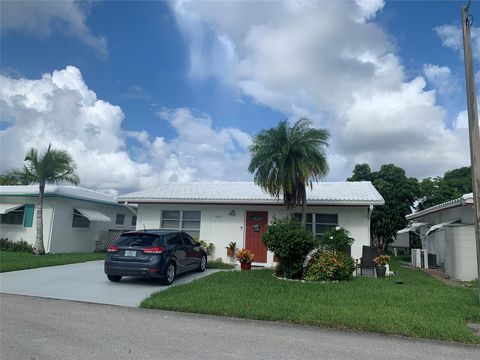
[381, 261]
[231, 248]
[245, 257]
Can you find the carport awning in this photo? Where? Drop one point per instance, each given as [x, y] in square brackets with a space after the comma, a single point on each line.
[411, 227]
[5, 208]
[440, 226]
[93, 215]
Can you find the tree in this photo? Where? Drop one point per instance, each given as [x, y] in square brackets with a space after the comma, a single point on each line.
[400, 194]
[453, 185]
[50, 167]
[286, 159]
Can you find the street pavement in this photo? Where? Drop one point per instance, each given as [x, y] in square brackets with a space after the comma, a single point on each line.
[85, 282]
[38, 328]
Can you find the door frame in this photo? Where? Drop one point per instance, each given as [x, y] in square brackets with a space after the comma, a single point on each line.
[246, 230]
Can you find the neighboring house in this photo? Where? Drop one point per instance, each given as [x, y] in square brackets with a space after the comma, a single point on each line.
[74, 218]
[221, 212]
[447, 235]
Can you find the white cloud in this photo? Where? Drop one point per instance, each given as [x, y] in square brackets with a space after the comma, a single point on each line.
[368, 9]
[327, 61]
[461, 122]
[41, 18]
[451, 37]
[60, 109]
[441, 78]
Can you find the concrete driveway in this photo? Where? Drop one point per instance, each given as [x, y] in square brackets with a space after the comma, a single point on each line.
[85, 282]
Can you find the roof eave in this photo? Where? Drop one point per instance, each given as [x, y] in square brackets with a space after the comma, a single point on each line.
[249, 202]
[433, 210]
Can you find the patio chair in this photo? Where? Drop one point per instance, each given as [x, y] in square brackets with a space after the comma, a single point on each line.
[366, 261]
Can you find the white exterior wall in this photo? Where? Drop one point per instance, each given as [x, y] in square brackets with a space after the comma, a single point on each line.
[461, 257]
[28, 234]
[220, 228]
[59, 236]
[66, 238]
[454, 245]
[464, 213]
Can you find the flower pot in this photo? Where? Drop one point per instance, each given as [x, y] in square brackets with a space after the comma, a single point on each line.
[381, 270]
[229, 252]
[245, 266]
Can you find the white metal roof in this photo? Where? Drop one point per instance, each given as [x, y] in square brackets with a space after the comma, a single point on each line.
[323, 193]
[466, 199]
[75, 192]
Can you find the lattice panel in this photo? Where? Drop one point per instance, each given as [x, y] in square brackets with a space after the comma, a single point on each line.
[107, 238]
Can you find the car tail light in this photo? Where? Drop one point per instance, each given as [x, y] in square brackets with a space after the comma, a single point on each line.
[112, 248]
[154, 250]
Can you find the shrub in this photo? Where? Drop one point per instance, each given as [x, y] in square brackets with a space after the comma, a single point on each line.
[290, 242]
[209, 247]
[19, 246]
[337, 239]
[327, 265]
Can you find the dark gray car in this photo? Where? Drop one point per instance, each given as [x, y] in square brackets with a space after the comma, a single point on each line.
[159, 254]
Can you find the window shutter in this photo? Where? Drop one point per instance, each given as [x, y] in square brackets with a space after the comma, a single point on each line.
[28, 216]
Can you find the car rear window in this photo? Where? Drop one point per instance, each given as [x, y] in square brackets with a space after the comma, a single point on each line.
[138, 240]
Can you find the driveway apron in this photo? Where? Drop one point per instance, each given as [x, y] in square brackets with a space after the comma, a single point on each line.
[85, 282]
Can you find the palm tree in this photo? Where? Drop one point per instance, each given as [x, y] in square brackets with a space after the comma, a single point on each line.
[50, 167]
[286, 159]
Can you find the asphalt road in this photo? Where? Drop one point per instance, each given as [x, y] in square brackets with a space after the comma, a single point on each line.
[37, 328]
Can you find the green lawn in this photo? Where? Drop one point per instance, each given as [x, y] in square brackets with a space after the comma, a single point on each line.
[11, 261]
[421, 307]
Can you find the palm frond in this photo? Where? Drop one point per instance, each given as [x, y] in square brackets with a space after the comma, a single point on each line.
[286, 159]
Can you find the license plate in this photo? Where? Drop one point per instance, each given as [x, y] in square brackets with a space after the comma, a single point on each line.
[130, 253]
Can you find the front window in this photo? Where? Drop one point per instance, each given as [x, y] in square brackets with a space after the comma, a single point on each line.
[120, 219]
[134, 220]
[80, 221]
[14, 217]
[318, 223]
[187, 221]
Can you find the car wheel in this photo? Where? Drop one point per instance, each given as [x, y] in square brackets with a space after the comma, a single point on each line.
[203, 264]
[114, 278]
[169, 274]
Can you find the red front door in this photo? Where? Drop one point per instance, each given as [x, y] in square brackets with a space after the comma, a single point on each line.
[256, 225]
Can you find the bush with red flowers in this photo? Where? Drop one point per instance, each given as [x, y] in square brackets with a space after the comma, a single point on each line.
[328, 265]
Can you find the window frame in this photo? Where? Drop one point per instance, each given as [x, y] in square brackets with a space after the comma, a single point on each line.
[313, 224]
[180, 220]
[17, 210]
[134, 220]
[117, 216]
[77, 213]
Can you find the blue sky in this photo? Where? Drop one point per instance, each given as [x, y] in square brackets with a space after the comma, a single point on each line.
[182, 87]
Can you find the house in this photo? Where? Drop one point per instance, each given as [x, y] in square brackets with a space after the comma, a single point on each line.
[224, 212]
[447, 235]
[74, 218]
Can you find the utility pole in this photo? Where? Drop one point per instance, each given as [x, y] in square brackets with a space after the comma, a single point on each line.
[474, 133]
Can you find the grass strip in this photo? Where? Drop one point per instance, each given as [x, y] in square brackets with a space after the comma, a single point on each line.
[12, 261]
